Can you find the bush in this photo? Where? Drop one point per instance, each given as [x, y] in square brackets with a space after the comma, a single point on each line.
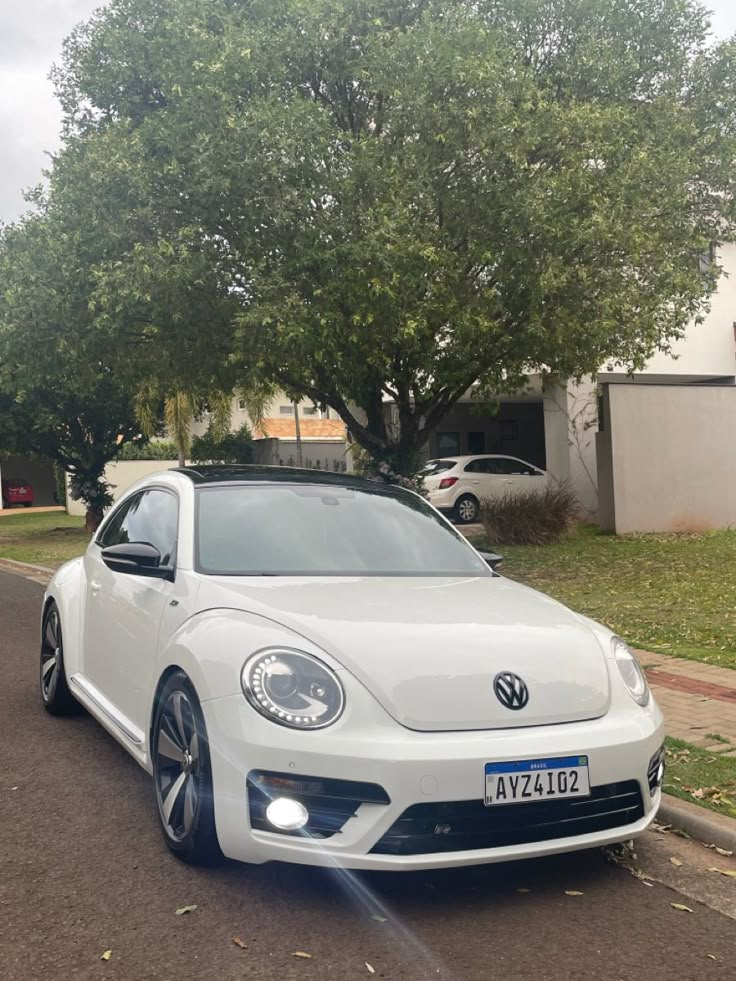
[537, 517]
[233, 448]
[157, 449]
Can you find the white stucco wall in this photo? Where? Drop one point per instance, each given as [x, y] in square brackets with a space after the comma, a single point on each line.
[120, 476]
[664, 458]
[707, 348]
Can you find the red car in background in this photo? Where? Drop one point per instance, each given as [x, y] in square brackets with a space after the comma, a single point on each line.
[15, 490]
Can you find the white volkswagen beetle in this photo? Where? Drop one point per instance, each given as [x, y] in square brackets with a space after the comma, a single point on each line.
[318, 668]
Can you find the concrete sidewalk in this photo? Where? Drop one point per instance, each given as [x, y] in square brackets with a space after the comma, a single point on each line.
[698, 700]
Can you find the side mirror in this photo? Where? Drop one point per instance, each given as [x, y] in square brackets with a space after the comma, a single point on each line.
[137, 559]
[491, 558]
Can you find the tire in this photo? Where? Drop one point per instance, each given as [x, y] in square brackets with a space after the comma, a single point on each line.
[182, 768]
[467, 510]
[55, 694]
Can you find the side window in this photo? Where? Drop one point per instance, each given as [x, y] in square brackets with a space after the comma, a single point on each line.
[475, 466]
[111, 532]
[152, 517]
[510, 467]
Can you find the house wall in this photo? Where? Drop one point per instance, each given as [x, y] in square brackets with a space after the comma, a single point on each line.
[707, 348]
[120, 476]
[327, 455]
[515, 427]
[664, 459]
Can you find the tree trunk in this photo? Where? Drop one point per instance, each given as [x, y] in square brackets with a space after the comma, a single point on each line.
[182, 458]
[299, 457]
[92, 520]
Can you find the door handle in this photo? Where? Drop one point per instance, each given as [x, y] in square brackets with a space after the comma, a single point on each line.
[95, 586]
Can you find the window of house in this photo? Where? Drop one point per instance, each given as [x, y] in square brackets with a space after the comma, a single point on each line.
[476, 442]
[286, 410]
[448, 443]
[309, 410]
[241, 404]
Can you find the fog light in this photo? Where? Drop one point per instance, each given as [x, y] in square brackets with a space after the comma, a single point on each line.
[286, 814]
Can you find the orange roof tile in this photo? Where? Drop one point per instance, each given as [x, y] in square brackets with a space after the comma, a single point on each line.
[310, 429]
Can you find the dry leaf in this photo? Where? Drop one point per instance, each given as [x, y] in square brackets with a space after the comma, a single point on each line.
[728, 872]
[573, 892]
[106, 956]
[301, 953]
[239, 943]
[712, 956]
[522, 890]
[185, 909]
[680, 906]
[379, 919]
[676, 861]
[723, 851]
[371, 968]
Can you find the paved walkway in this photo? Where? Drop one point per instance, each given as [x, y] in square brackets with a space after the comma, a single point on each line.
[698, 700]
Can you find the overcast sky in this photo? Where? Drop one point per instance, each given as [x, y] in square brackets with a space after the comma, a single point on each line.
[31, 32]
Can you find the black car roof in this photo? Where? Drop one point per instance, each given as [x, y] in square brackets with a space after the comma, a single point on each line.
[252, 473]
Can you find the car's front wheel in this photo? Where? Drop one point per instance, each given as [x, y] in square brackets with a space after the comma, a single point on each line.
[182, 773]
[57, 698]
[467, 510]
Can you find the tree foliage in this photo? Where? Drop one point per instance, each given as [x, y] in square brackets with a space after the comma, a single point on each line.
[397, 200]
[60, 392]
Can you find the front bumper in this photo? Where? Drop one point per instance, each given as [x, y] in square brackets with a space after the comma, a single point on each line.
[413, 768]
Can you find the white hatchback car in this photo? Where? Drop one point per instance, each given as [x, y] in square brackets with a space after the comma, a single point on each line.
[456, 485]
[320, 669]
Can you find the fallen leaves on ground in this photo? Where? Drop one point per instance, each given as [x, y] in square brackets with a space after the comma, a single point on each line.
[106, 956]
[728, 872]
[681, 907]
[573, 892]
[185, 909]
[523, 890]
[239, 943]
[721, 851]
[302, 953]
[379, 919]
[371, 968]
[675, 861]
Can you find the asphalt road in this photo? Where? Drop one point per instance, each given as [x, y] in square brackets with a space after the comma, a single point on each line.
[83, 870]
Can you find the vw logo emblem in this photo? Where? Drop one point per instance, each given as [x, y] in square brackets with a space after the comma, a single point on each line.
[510, 690]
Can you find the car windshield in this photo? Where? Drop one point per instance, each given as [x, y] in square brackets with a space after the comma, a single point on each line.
[312, 529]
[437, 466]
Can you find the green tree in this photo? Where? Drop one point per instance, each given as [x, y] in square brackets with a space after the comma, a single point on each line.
[60, 393]
[402, 199]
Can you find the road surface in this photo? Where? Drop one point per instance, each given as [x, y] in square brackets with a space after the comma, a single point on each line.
[84, 870]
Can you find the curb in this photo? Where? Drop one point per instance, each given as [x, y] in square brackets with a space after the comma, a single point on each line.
[26, 569]
[705, 826]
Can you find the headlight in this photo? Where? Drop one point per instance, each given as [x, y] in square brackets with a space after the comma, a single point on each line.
[630, 671]
[292, 688]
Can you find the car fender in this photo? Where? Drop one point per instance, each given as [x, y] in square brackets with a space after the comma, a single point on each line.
[211, 647]
[67, 590]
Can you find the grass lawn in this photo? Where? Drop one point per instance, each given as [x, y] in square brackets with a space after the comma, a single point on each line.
[675, 594]
[42, 539]
[701, 777]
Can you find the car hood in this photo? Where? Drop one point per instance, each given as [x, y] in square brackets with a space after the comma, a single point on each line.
[429, 649]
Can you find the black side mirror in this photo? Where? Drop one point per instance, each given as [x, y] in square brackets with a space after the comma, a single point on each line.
[491, 558]
[137, 559]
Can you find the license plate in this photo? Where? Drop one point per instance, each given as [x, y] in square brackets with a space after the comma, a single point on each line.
[525, 781]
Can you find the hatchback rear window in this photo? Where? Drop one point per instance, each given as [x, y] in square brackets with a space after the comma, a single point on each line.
[437, 466]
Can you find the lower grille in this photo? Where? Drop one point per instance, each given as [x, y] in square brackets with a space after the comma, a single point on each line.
[469, 824]
[330, 803]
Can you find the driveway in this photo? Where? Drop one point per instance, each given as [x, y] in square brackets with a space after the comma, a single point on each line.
[84, 870]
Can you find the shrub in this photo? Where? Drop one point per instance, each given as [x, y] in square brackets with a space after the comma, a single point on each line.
[232, 448]
[156, 449]
[537, 517]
